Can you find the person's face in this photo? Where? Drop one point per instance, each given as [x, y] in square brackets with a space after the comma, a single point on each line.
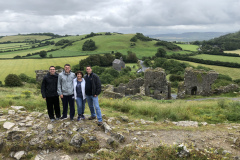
[52, 70]
[89, 70]
[67, 69]
[79, 76]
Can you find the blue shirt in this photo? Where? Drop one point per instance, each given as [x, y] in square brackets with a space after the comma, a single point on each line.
[79, 89]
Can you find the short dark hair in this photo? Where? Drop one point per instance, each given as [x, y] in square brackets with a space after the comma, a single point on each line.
[67, 65]
[88, 66]
[78, 73]
[51, 67]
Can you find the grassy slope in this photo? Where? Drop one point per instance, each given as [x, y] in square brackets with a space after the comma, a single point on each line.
[23, 38]
[28, 66]
[218, 58]
[232, 72]
[235, 51]
[188, 47]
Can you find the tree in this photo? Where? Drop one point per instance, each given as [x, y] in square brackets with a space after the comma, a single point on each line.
[131, 57]
[43, 54]
[89, 45]
[160, 52]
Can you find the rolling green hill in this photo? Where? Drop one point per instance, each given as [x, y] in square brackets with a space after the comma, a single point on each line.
[18, 38]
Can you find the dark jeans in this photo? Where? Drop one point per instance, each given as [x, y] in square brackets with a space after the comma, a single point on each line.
[68, 100]
[53, 104]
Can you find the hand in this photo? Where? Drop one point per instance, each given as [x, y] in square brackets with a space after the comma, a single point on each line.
[44, 98]
[61, 96]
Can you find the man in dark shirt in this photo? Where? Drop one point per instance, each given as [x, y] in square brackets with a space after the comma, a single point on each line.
[92, 90]
[49, 93]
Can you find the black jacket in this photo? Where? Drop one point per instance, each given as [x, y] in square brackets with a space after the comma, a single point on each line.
[49, 85]
[96, 84]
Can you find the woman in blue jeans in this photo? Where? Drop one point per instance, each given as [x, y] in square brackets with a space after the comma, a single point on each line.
[79, 94]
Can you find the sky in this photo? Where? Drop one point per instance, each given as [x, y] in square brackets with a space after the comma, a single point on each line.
[149, 17]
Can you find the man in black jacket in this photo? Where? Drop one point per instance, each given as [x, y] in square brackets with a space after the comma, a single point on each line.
[49, 93]
[92, 90]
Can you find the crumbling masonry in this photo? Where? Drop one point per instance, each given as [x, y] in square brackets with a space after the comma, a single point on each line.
[41, 73]
[154, 84]
[197, 82]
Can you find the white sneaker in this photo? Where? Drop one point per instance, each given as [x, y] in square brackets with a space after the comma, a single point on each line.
[52, 120]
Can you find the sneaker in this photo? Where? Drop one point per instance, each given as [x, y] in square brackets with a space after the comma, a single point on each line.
[57, 119]
[82, 117]
[52, 120]
[63, 118]
[91, 118]
[100, 123]
[79, 118]
[71, 119]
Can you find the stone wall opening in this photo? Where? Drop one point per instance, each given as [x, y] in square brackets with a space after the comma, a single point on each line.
[194, 90]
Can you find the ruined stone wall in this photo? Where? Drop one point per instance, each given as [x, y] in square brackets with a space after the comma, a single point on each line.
[41, 73]
[156, 84]
[197, 82]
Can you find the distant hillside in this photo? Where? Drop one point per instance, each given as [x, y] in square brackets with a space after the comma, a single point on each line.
[188, 37]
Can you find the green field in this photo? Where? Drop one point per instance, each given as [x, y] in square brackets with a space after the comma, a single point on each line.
[18, 38]
[28, 66]
[218, 58]
[232, 72]
[235, 51]
[189, 47]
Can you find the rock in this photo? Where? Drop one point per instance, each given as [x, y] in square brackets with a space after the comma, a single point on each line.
[49, 128]
[110, 119]
[64, 157]
[39, 157]
[8, 125]
[226, 152]
[89, 156]
[59, 139]
[204, 123]
[34, 141]
[11, 112]
[182, 151]
[134, 139]
[120, 137]
[102, 150]
[107, 128]
[18, 155]
[124, 118]
[18, 107]
[143, 121]
[2, 120]
[77, 140]
[92, 138]
[139, 133]
[29, 124]
[118, 122]
[186, 123]
[110, 141]
[29, 118]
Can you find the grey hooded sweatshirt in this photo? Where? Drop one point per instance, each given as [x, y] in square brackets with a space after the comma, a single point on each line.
[65, 83]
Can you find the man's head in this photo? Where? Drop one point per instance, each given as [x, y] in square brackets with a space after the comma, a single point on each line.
[52, 70]
[67, 68]
[89, 69]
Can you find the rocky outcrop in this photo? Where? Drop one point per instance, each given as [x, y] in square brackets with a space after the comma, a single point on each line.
[227, 89]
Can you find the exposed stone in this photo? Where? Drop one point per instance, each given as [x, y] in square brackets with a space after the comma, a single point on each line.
[8, 125]
[18, 107]
[59, 139]
[11, 112]
[197, 82]
[102, 150]
[92, 138]
[2, 144]
[186, 123]
[49, 128]
[34, 141]
[183, 151]
[227, 89]
[77, 140]
[110, 141]
[89, 156]
[2, 120]
[41, 73]
[107, 128]
[39, 157]
[18, 155]
[119, 137]
[124, 118]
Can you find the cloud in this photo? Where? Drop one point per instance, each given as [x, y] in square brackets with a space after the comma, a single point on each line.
[126, 16]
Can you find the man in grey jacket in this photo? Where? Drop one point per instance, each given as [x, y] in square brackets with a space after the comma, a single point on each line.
[65, 91]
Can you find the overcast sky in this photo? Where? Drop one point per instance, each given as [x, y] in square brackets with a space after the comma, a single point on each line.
[124, 16]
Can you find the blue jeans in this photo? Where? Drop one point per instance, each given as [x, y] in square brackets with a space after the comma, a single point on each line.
[80, 105]
[68, 100]
[93, 102]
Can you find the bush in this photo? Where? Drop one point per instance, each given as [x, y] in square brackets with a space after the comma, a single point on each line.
[43, 54]
[24, 78]
[175, 77]
[1, 84]
[89, 45]
[12, 80]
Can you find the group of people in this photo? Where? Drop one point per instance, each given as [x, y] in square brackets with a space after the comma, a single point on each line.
[70, 87]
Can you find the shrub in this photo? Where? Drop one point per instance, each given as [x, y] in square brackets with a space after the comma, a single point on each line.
[89, 45]
[175, 77]
[1, 84]
[12, 80]
[43, 54]
[25, 78]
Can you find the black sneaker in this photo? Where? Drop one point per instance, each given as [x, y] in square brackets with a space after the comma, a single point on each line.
[63, 118]
[91, 118]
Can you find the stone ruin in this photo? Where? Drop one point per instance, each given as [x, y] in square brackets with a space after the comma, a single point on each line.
[197, 82]
[154, 84]
[41, 73]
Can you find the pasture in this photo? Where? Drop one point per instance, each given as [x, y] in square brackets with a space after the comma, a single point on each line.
[28, 66]
[218, 58]
[235, 51]
[18, 38]
[189, 47]
[232, 72]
